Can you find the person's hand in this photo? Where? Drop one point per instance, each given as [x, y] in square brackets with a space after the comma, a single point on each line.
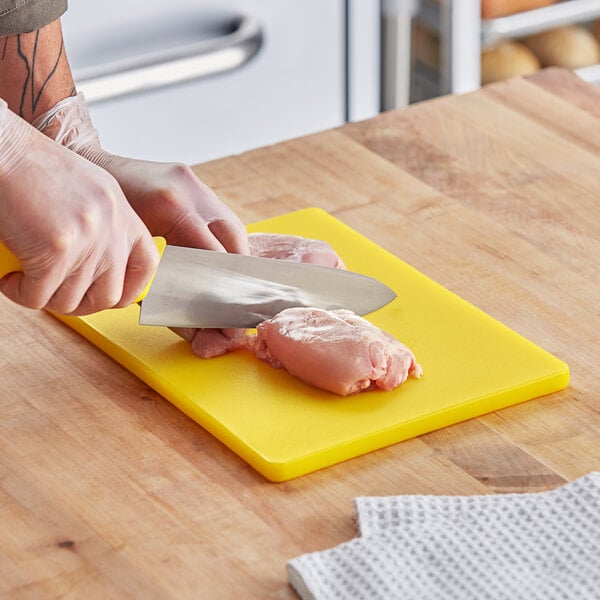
[174, 203]
[81, 246]
[168, 197]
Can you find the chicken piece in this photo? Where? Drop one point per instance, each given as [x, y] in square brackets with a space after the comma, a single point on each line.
[208, 343]
[336, 350]
[294, 247]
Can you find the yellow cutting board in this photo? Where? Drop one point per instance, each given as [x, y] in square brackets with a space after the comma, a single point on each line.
[284, 428]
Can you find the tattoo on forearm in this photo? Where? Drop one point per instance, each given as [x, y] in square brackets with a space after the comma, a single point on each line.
[32, 88]
[27, 75]
[35, 98]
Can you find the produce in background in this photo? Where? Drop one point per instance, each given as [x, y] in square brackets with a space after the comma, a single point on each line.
[491, 9]
[507, 58]
[571, 47]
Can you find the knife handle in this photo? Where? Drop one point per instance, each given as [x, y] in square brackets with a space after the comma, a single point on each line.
[9, 263]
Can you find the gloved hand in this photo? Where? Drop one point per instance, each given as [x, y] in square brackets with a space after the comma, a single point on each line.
[81, 246]
[168, 197]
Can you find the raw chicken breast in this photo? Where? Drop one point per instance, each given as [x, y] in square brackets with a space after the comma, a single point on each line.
[208, 343]
[294, 247]
[336, 350]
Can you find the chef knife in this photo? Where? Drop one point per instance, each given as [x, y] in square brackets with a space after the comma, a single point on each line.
[207, 289]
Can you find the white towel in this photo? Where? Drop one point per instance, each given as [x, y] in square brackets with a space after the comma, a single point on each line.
[508, 546]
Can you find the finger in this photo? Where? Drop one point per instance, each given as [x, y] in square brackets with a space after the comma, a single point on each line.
[187, 333]
[72, 291]
[197, 234]
[104, 292]
[220, 235]
[30, 291]
[208, 343]
[231, 234]
[142, 263]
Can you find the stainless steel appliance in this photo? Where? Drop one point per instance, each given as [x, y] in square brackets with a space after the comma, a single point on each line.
[191, 81]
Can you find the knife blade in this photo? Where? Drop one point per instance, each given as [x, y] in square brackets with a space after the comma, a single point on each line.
[207, 289]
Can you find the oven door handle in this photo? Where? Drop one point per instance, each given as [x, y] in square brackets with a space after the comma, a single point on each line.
[160, 69]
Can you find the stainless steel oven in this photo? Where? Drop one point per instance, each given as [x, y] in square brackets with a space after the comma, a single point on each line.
[191, 81]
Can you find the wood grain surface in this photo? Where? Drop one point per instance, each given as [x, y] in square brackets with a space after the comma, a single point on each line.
[108, 491]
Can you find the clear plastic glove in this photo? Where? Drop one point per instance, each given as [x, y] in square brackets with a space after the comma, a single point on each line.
[81, 246]
[168, 197]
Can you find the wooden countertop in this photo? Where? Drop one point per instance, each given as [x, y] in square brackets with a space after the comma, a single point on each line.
[108, 491]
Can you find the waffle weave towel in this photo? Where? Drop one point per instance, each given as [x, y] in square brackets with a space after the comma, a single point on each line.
[533, 546]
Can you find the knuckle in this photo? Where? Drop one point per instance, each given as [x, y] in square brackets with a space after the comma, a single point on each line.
[55, 304]
[179, 179]
[58, 246]
[34, 294]
[66, 307]
[108, 297]
[113, 297]
[126, 298]
[35, 301]
[182, 171]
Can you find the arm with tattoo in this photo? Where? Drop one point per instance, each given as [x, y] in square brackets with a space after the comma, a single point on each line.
[80, 245]
[72, 224]
[34, 71]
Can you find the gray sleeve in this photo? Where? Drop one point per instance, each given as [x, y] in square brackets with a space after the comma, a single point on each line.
[24, 16]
